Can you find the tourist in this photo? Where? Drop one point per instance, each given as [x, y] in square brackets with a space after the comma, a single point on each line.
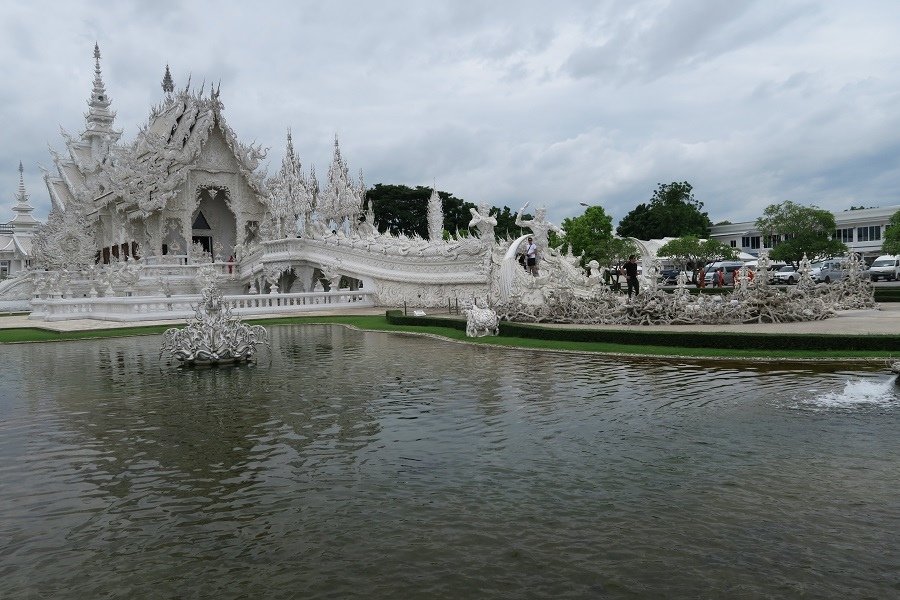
[531, 257]
[631, 276]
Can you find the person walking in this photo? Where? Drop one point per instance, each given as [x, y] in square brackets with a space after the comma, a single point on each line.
[720, 277]
[631, 276]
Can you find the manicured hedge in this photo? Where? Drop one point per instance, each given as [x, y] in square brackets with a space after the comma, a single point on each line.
[887, 294]
[703, 339]
[396, 317]
[636, 336]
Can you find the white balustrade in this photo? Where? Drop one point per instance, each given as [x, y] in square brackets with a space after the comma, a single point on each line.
[160, 308]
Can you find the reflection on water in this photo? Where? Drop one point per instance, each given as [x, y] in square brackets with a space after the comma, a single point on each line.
[352, 464]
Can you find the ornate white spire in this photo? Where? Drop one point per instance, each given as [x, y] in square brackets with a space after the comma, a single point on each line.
[23, 221]
[341, 198]
[99, 118]
[291, 194]
[168, 85]
[435, 216]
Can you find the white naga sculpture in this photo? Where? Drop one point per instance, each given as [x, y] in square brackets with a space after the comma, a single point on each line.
[481, 321]
[752, 302]
[213, 336]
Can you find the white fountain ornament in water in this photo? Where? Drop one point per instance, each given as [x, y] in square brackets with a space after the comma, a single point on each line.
[213, 336]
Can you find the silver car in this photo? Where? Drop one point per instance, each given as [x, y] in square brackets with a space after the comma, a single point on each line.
[828, 271]
[787, 274]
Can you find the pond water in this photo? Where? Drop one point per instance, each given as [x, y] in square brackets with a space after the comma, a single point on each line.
[369, 465]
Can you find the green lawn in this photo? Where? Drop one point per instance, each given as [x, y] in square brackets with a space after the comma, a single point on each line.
[380, 323]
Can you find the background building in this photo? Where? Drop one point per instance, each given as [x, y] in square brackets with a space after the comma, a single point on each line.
[861, 230]
[16, 235]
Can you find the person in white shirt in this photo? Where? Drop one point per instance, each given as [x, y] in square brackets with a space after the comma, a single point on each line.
[531, 257]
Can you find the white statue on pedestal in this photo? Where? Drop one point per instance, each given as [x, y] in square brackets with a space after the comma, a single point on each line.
[483, 222]
[481, 321]
[540, 227]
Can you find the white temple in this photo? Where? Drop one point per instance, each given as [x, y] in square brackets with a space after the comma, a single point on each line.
[137, 229]
[143, 218]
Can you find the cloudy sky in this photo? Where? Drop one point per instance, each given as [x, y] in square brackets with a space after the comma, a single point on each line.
[507, 102]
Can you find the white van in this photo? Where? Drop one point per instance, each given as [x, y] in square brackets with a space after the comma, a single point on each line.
[828, 271]
[885, 267]
[729, 266]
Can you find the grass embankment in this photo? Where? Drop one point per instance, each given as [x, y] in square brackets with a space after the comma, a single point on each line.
[453, 329]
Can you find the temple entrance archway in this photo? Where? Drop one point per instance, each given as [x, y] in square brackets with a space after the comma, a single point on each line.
[213, 224]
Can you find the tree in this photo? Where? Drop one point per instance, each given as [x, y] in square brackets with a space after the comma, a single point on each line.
[673, 212]
[402, 209]
[589, 235]
[692, 253]
[891, 243]
[799, 230]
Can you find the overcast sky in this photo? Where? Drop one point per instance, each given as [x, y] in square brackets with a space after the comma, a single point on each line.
[506, 102]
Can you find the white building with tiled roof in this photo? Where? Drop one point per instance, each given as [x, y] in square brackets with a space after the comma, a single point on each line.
[16, 235]
[861, 230]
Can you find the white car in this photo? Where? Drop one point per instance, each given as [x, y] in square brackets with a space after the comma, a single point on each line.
[787, 274]
[885, 267]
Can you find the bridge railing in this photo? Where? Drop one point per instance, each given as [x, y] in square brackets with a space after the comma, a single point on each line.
[162, 308]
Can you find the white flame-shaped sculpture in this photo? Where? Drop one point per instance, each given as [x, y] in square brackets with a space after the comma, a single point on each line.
[213, 336]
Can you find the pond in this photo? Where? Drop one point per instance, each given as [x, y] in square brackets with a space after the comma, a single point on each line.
[370, 465]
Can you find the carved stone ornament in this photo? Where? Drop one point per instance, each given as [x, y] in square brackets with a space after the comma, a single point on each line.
[213, 336]
[481, 321]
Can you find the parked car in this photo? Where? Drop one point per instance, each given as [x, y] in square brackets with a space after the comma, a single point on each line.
[827, 271]
[668, 276]
[730, 266]
[885, 267]
[787, 274]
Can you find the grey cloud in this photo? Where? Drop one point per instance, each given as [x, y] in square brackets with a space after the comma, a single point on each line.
[505, 102]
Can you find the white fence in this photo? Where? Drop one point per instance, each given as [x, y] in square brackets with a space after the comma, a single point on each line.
[161, 308]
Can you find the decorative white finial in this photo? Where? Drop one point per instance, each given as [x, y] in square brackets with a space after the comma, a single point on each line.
[168, 85]
[99, 118]
[23, 221]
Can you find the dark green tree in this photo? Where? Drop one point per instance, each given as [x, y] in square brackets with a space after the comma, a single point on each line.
[891, 243]
[672, 212]
[402, 209]
[589, 235]
[800, 230]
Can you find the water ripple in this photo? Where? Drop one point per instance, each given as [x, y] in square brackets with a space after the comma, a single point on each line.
[367, 465]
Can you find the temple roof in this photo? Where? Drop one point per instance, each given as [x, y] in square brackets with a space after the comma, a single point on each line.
[148, 172]
[16, 243]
